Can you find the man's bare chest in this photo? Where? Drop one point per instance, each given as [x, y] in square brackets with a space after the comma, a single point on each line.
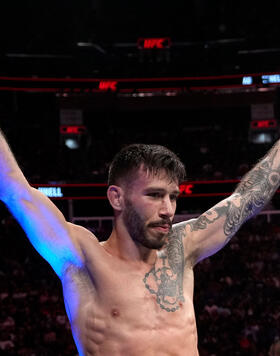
[144, 299]
[160, 286]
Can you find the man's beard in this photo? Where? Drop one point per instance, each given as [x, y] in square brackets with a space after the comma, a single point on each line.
[138, 230]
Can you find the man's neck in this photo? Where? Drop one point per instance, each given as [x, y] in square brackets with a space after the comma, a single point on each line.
[121, 245]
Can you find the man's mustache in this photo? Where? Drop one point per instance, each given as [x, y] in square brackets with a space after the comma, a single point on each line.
[161, 223]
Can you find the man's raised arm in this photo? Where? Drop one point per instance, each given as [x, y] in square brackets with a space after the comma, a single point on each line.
[41, 220]
[212, 230]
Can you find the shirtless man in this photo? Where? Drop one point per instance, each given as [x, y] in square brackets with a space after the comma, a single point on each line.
[133, 294]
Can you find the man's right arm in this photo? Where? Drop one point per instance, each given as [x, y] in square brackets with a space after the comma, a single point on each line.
[48, 231]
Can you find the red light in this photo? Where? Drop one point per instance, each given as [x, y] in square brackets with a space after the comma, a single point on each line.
[150, 43]
[76, 130]
[264, 124]
[108, 85]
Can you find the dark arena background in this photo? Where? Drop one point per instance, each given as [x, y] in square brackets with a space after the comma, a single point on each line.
[78, 81]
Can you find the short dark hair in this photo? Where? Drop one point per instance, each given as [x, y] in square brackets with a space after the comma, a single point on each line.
[154, 158]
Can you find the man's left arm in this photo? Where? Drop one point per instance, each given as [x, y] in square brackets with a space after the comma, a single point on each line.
[212, 230]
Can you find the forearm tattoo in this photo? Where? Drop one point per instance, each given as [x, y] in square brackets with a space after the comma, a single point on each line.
[252, 194]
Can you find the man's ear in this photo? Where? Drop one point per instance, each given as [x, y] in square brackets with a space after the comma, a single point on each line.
[115, 196]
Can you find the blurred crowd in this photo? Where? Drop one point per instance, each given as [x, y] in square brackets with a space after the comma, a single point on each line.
[211, 155]
[237, 296]
[213, 142]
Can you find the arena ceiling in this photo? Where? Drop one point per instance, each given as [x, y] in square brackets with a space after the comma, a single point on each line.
[99, 38]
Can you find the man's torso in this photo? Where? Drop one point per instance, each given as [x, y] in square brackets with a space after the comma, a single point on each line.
[118, 307]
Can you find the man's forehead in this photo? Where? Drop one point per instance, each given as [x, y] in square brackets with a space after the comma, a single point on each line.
[147, 176]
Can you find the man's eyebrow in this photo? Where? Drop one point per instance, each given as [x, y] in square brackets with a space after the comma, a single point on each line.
[161, 190]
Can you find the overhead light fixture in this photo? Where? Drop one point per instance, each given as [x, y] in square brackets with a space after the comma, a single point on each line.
[72, 143]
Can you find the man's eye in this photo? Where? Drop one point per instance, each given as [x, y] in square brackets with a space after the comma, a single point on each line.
[154, 195]
[173, 197]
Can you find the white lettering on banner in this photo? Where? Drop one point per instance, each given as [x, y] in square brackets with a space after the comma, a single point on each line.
[51, 192]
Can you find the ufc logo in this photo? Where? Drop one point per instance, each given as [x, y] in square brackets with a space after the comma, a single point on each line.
[108, 85]
[150, 43]
[74, 129]
[186, 189]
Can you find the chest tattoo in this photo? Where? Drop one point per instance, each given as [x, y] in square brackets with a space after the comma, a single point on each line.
[165, 279]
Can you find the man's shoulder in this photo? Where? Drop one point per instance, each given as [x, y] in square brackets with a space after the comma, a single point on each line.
[183, 238]
[81, 231]
[88, 245]
[84, 237]
[182, 227]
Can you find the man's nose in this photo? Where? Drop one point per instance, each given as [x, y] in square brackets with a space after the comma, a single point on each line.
[167, 208]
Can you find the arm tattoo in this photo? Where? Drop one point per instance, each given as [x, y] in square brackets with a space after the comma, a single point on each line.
[165, 279]
[254, 192]
[208, 218]
[256, 189]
